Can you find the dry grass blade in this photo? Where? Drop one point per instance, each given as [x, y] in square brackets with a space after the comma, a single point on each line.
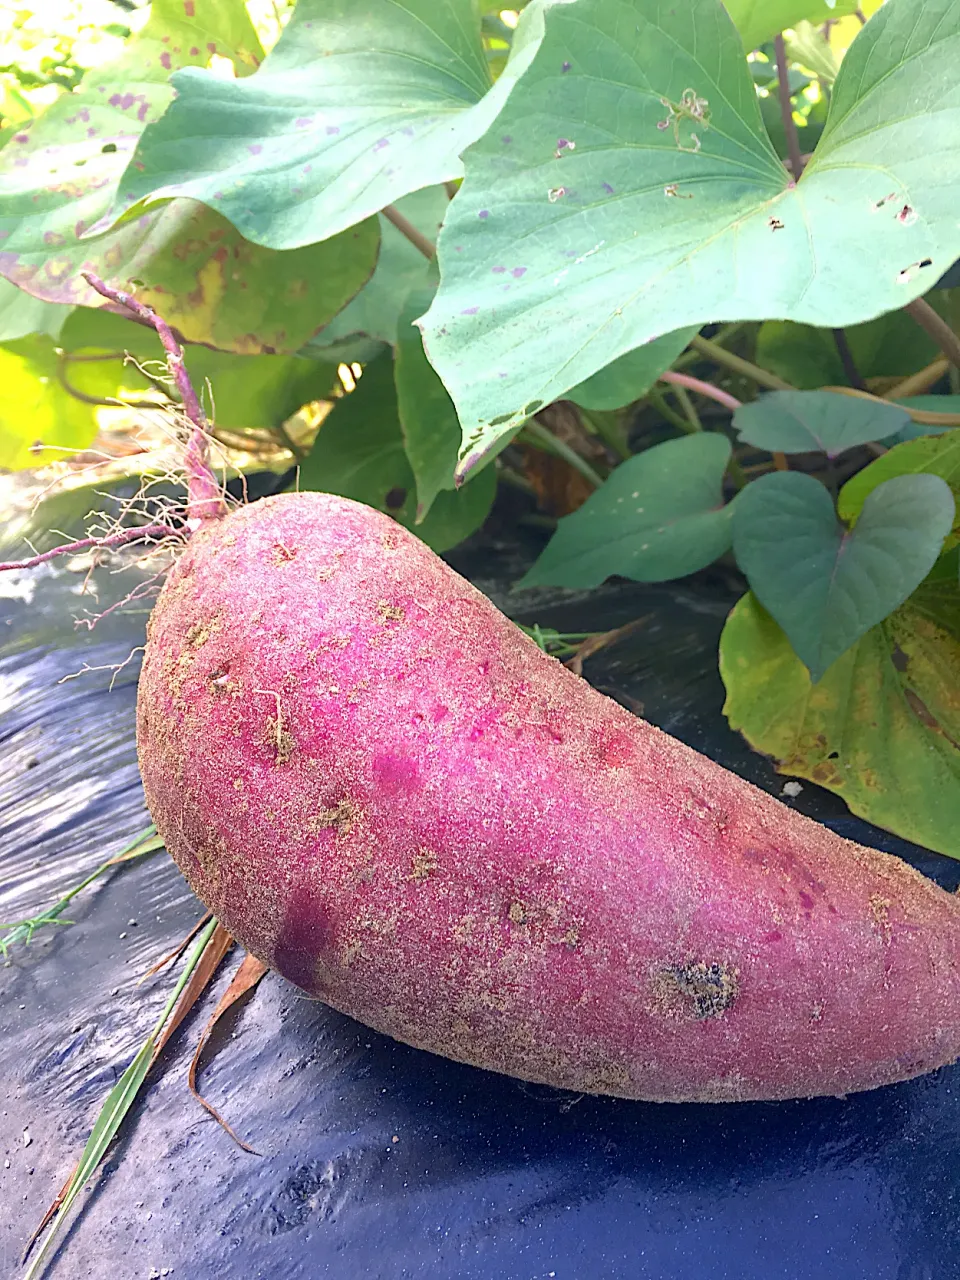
[593, 644]
[177, 951]
[116, 1105]
[243, 982]
[201, 976]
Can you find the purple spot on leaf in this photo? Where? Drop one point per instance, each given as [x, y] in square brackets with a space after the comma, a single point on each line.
[53, 237]
[498, 271]
[21, 137]
[407, 131]
[194, 52]
[165, 60]
[470, 311]
[254, 148]
[332, 129]
[384, 142]
[484, 213]
[506, 139]
[565, 67]
[301, 122]
[308, 168]
[517, 272]
[608, 189]
[91, 132]
[218, 195]
[211, 48]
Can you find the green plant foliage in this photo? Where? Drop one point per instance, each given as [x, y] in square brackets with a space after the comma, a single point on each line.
[360, 103]
[892, 346]
[931, 455]
[807, 45]
[39, 420]
[881, 729]
[239, 391]
[21, 314]
[401, 268]
[431, 430]
[815, 421]
[824, 584]
[660, 515]
[632, 375]
[359, 453]
[584, 253]
[760, 20]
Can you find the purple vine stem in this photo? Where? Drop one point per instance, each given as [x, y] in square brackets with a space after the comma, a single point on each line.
[705, 388]
[204, 499]
[113, 540]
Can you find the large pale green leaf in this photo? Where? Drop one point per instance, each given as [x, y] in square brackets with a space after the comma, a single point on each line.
[660, 515]
[760, 20]
[629, 189]
[827, 585]
[431, 430]
[58, 177]
[816, 421]
[359, 453]
[359, 103]
[881, 729]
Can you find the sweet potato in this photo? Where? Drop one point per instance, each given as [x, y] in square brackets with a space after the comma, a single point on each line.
[389, 794]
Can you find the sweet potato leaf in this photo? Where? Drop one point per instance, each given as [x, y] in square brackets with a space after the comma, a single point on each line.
[881, 729]
[815, 421]
[360, 103]
[60, 175]
[827, 585]
[659, 515]
[937, 455]
[428, 420]
[760, 20]
[632, 375]
[637, 192]
[359, 453]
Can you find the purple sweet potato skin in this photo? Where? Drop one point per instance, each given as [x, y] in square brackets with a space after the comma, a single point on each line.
[388, 793]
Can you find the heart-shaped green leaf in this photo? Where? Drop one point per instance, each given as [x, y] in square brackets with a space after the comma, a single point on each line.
[359, 453]
[881, 729]
[637, 192]
[631, 375]
[359, 103]
[815, 421]
[824, 584]
[659, 515]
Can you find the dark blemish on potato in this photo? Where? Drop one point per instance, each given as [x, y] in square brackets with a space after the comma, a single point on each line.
[282, 554]
[281, 739]
[343, 816]
[880, 914]
[700, 990]
[517, 913]
[424, 865]
[387, 613]
[198, 635]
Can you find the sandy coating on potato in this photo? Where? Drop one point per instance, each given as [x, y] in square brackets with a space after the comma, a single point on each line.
[387, 792]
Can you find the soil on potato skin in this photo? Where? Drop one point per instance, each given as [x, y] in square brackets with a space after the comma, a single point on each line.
[387, 792]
